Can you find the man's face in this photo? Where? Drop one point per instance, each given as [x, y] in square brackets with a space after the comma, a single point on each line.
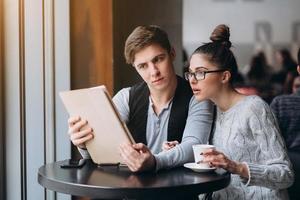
[155, 65]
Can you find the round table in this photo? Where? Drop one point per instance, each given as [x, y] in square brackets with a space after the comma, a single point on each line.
[113, 182]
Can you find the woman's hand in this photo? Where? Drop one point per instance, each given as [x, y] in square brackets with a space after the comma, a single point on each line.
[169, 145]
[79, 131]
[218, 159]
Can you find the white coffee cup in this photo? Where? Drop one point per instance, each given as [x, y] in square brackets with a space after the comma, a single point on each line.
[198, 150]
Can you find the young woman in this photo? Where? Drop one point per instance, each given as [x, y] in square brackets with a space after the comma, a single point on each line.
[246, 135]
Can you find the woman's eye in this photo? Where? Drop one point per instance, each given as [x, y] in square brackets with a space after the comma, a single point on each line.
[199, 73]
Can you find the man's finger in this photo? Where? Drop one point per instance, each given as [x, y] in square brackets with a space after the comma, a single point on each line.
[130, 154]
[81, 134]
[81, 141]
[73, 120]
[140, 147]
[127, 158]
[76, 127]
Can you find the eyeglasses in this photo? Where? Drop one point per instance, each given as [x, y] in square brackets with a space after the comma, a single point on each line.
[199, 75]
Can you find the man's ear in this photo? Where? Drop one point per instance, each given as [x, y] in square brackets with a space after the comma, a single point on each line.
[298, 69]
[172, 54]
[226, 77]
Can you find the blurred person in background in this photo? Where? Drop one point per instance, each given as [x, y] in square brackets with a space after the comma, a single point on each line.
[283, 79]
[242, 87]
[258, 76]
[287, 111]
[296, 84]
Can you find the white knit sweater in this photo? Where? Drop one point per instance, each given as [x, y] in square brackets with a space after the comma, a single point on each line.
[248, 132]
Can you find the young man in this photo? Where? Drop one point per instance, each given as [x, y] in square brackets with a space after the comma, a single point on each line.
[162, 108]
[287, 110]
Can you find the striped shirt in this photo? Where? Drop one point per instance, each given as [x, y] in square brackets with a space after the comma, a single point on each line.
[287, 111]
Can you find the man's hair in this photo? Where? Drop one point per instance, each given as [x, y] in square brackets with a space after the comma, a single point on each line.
[143, 36]
[298, 57]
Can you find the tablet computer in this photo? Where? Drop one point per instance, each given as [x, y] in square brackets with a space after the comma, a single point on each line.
[96, 106]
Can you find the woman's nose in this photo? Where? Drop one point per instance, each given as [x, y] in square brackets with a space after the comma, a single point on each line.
[192, 80]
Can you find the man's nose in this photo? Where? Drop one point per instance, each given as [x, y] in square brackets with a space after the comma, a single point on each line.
[154, 69]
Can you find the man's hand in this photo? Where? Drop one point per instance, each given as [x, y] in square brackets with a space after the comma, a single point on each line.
[137, 157]
[79, 131]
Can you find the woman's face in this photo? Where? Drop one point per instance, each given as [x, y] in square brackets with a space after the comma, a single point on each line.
[209, 87]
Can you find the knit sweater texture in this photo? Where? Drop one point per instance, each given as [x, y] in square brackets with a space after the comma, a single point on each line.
[248, 132]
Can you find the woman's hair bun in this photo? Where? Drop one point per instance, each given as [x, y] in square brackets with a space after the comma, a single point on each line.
[221, 35]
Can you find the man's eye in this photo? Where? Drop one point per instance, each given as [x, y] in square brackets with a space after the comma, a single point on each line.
[158, 59]
[141, 66]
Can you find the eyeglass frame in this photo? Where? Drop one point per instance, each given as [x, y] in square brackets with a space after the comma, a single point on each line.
[186, 74]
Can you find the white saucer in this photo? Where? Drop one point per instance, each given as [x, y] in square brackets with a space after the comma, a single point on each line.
[195, 167]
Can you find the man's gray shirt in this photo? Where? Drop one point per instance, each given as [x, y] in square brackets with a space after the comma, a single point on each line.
[197, 129]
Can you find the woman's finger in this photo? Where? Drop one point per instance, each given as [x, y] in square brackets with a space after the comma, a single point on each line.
[173, 143]
[211, 158]
[211, 152]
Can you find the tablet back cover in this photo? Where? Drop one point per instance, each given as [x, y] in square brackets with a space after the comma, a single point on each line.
[95, 105]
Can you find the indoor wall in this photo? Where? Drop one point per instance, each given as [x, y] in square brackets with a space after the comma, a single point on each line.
[35, 68]
[98, 33]
[130, 14]
[91, 43]
[255, 25]
[2, 163]
[41, 56]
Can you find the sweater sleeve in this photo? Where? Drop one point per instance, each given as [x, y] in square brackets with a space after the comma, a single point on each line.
[270, 166]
